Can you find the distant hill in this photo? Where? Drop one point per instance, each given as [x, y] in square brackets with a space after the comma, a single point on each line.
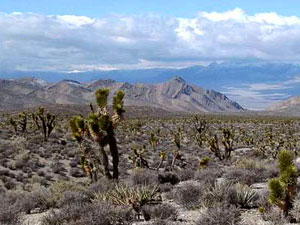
[290, 107]
[174, 95]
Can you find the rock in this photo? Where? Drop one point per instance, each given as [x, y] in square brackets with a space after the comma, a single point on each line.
[62, 142]
[259, 186]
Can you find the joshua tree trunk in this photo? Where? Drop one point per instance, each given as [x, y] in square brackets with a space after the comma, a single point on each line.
[105, 162]
[114, 153]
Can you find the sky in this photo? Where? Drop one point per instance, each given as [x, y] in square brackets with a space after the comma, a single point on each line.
[82, 35]
[177, 8]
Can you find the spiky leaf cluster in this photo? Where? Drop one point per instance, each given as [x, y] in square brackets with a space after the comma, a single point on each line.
[118, 103]
[77, 125]
[276, 190]
[101, 97]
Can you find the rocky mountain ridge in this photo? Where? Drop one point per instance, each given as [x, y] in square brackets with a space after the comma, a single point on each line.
[173, 95]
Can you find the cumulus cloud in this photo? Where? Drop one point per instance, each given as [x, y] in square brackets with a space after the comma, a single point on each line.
[75, 43]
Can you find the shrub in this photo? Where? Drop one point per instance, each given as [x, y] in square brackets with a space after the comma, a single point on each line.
[101, 186]
[92, 214]
[168, 177]
[73, 197]
[9, 211]
[58, 188]
[186, 174]
[275, 216]
[244, 176]
[295, 211]
[42, 198]
[160, 222]
[188, 195]
[9, 214]
[142, 176]
[161, 211]
[220, 215]
[208, 176]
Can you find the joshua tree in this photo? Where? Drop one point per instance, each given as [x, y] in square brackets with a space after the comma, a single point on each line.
[47, 121]
[283, 188]
[200, 127]
[20, 122]
[153, 139]
[227, 141]
[99, 127]
[138, 159]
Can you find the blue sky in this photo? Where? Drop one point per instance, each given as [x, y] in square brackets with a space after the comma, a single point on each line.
[178, 8]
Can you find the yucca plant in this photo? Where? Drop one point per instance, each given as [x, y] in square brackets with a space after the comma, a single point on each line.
[245, 196]
[123, 194]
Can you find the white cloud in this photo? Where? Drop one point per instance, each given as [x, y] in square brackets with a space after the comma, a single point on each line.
[67, 42]
[76, 21]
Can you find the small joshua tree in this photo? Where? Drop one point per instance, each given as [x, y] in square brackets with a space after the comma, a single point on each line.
[227, 141]
[47, 121]
[283, 188]
[99, 127]
[200, 127]
[153, 139]
[20, 122]
[138, 159]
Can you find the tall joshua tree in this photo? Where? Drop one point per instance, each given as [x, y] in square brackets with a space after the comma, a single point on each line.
[99, 127]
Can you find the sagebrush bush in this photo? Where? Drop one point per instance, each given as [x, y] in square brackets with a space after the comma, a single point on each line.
[208, 176]
[142, 176]
[9, 214]
[186, 174]
[73, 197]
[295, 211]
[102, 186]
[9, 210]
[244, 176]
[220, 215]
[275, 216]
[168, 177]
[92, 214]
[161, 211]
[58, 188]
[188, 195]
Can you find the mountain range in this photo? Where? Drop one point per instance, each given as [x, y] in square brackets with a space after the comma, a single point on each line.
[173, 95]
[254, 85]
[290, 107]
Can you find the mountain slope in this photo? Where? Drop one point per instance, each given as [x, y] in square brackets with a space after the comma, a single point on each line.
[173, 95]
[291, 106]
